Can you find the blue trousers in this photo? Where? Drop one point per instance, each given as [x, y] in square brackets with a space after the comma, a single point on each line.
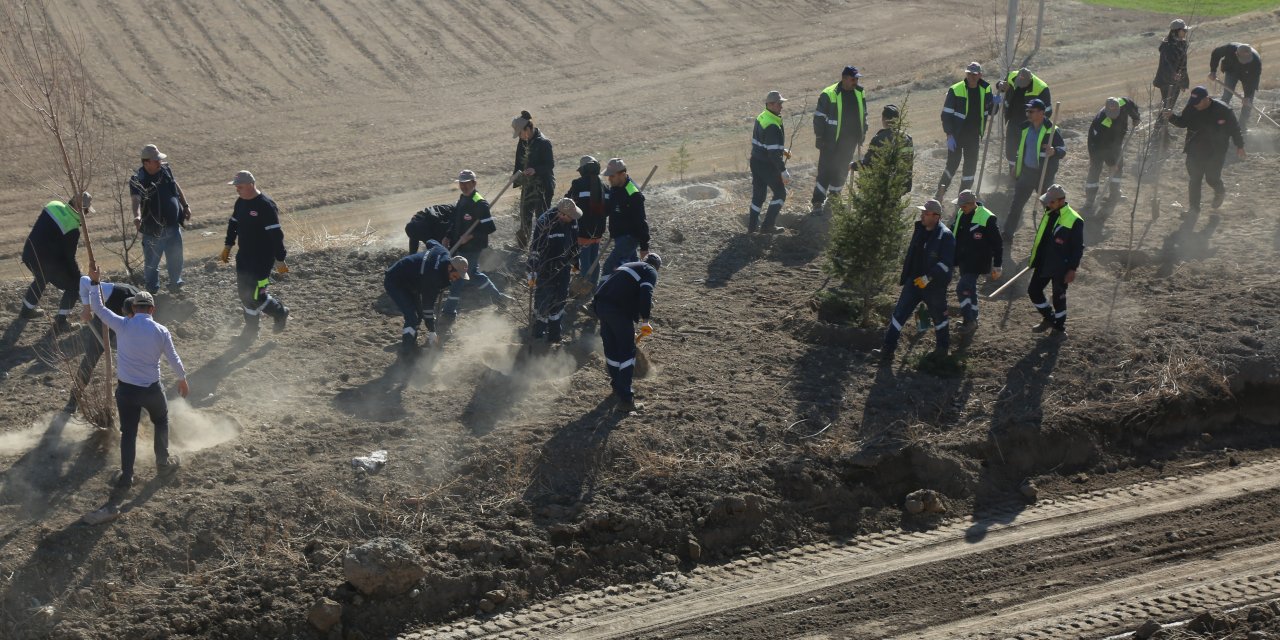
[130, 402]
[934, 298]
[587, 254]
[625, 249]
[478, 280]
[617, 332]
[168, 245]
[410, 307]
[549, 299]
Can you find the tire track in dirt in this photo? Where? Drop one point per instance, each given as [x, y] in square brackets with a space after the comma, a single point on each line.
[1237, 578]
[636, 610]
[356, 42]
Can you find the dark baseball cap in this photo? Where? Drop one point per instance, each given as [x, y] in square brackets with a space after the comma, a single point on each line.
[890, 112]
[1197, 94]
[1035, 103]
[851, 71]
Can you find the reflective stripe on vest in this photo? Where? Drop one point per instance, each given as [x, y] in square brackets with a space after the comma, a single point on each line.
[1045, 128]
[834, 98]
[1067, 218]
[64, 215]
[767, 119]
[1106, 122]
[961, 91]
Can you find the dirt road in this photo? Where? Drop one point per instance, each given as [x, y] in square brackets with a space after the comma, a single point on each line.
[1086, 566]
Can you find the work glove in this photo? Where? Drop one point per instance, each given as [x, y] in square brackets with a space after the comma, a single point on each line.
[646, 330]
[532, 279]
[186, 213]
[574, 270]
[995, 273]
[855, 165]
[921, 282]
[433, 340]
[786, 177]
[281, 267]
[1002, 86]
[786, 153]
[225, 256]
[997, 99]
[951, 143]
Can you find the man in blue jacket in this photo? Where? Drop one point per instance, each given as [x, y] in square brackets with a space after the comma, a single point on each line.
[622, 299]
[979, 251]
[926, 272]
[1040, 149]
[415, 282]
[552, 252]
[1055, 257]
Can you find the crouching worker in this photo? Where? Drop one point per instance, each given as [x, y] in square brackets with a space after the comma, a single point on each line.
[622, 299]
[414, 283]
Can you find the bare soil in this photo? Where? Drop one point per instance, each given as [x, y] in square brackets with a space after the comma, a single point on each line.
[767, 426]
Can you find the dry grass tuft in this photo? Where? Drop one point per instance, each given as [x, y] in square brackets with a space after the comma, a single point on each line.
[305, 236]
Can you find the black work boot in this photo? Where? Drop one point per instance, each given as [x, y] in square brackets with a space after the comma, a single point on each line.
[281, 320]
[250, 331]
[408, 344]
[883, 355]
[1218, 196]
[61, 325]
[29, 313]
[1045, 324]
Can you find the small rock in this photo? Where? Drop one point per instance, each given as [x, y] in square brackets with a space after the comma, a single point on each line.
[1210, 622]
[1233, 461]
[924, 501]
[1080, 478]
[498, 596]
[1148, 629]
[487, 605]
[1174, 536]
[1206, 437]
[383, 567]
[1029, 490]
[324, 614]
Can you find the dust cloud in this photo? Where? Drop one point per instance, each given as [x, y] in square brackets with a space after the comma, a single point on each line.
[191, 429]
[55, 432]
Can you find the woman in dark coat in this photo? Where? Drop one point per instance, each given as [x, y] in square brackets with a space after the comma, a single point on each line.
[536, 164]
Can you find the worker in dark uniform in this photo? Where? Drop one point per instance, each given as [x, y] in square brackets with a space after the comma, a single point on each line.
[469, 236]
[1106, 147]
[1171, 73]
[431, 223]
[552, 252]
[1211, 125]
[1240, 63]
[255, 220]
[1018, 89]
[589, 192]
[1037, 133]
[839, 127]
[926, 274]
[1055, 257]
[628, 225]
[119, 299]
[622, 299]
[979, 250]
[536, 163]
[768, 165]
[50, 254]
[964, 119]
[888, 116]
[414, 283]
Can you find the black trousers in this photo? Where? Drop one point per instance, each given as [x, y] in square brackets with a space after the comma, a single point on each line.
[833, 172]
[131, 400]
[1035, 290]
[1096, 163]
[549, 299]
[1206, 167]
[252, 288]
[765, 177]
[617, 332]
[968, 148]
[46, 272]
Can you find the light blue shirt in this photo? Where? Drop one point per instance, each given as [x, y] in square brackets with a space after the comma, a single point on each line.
[1031, 153]
[140, 343]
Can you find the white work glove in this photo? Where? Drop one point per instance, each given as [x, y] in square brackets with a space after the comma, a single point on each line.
[951, 143]
[433, 340]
